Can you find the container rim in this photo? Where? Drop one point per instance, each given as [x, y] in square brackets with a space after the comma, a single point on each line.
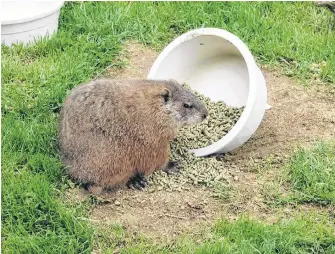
[57, 7]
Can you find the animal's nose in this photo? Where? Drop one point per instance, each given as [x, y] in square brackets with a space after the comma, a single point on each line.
[204, 116]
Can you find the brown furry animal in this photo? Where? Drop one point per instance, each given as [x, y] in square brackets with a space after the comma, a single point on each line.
[114, 132]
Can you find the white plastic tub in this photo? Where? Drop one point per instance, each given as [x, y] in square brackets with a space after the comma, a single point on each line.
[27, 21]
[219, 65]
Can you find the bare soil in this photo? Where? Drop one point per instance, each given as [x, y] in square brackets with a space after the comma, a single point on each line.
[298, 116]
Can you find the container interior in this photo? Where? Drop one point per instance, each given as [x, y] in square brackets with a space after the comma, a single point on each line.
[212, 66]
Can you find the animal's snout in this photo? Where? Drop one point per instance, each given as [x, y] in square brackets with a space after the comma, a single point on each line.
[204, 116]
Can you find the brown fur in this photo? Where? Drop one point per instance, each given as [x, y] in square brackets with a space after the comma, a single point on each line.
[110, 130]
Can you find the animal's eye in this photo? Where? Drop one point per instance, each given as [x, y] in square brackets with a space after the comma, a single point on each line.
[186, 105]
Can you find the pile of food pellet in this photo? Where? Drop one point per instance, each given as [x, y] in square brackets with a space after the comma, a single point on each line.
[206, 171]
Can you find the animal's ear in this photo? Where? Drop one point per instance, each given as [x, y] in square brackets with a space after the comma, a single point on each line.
[166, 94]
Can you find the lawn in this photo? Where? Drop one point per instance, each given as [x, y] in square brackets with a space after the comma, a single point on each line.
[310, 177]
[297, 39]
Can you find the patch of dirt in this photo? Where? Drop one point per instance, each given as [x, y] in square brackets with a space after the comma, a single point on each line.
[298, 116]
[159, 214]
[139, 60]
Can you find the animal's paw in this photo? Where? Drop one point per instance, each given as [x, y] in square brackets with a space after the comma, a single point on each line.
[137, 182]
[172, 167]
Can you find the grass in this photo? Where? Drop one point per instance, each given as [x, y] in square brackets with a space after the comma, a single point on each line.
[298, 37]
[304, 233]
[312, 174]
[309, 177]
[33, 221]
[36, 79]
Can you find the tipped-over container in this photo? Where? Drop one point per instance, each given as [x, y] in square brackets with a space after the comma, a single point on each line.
[217, 64]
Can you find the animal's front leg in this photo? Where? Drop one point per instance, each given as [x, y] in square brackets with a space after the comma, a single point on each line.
[137, 182]
[172, 167]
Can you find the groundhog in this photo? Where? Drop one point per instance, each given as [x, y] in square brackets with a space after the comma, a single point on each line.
[116, 132]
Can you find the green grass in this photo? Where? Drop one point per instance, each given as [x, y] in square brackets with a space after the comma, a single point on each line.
[312, 174]
[304, 233]
[308, 177]
[36, 79]
[33, 221]
[294, 36]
